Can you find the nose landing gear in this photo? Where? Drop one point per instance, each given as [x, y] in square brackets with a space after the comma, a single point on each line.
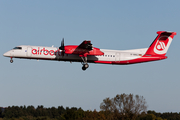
[11, 60]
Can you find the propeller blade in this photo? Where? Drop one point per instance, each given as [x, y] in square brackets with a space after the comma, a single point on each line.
[62, 45]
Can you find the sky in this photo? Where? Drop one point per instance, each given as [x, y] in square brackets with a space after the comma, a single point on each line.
[114, 24]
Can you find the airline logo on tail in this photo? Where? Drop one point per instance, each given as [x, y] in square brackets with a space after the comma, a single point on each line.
[160, 46]
[161, 43]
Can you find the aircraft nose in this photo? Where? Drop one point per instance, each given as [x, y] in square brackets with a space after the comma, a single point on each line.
[6, 54]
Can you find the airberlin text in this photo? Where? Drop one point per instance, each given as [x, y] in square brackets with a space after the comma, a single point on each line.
[45, 51]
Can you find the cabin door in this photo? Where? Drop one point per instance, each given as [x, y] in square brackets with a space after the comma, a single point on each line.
[117, 57]
[29, 52]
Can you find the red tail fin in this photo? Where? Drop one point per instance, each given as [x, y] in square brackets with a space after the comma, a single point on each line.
[161, 44]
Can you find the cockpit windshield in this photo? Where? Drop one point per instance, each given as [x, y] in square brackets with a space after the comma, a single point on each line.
[18, 48]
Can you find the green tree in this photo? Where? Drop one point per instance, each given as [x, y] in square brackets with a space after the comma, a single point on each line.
[124, 106]
[30, 110]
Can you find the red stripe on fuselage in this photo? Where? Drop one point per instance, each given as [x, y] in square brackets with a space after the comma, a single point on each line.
[133, 61]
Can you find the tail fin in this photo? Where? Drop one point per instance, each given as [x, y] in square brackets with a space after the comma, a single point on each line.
[161, 44]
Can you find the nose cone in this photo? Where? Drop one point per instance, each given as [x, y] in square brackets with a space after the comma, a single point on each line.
[7, 54]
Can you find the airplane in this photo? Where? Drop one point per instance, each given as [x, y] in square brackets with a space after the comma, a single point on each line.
[86, 53]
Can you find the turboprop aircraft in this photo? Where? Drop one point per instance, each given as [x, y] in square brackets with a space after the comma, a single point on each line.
[86, 53]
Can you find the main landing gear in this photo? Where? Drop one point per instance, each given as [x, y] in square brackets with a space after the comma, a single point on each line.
[11, 60]
[85, 64]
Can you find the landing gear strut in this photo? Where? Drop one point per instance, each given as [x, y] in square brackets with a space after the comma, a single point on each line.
[11, 61]
[85, 64]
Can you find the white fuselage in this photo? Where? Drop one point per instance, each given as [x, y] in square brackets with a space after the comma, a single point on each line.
[53, 53]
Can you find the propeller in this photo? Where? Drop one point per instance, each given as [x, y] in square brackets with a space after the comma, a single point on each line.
[62, 45]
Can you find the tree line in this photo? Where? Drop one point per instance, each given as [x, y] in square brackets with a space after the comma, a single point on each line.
[121, 107]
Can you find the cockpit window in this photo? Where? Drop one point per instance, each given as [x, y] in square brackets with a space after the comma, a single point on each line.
[18, 48]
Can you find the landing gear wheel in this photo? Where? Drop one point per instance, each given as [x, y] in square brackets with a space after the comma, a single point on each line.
[83, 68]
[86, 65]
[11, 61]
